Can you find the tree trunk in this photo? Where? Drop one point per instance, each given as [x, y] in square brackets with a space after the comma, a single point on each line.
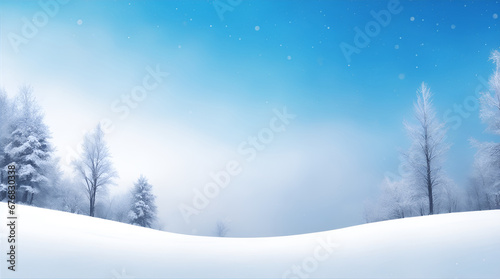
[428, 167]
[91, 209]
[25, 197]
[31, 198]
[429, 188]
[92, 203]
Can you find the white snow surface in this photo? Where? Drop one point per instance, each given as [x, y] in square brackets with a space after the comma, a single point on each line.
[53, 244]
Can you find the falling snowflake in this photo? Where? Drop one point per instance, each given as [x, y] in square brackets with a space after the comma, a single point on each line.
[401, 76]
[453, 26]
[412, 18]
[396, 47]
[495, 16]
[289, 57]
[79, 22]
[257, 28]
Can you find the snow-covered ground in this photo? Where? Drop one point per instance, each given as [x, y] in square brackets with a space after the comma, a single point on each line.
[54, 244]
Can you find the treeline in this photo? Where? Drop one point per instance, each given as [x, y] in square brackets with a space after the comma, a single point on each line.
[423, 187]
[25, 143]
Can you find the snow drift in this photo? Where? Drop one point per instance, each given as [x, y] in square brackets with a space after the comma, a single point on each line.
[53, 244]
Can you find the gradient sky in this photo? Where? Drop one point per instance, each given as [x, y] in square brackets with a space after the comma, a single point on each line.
[227, 74]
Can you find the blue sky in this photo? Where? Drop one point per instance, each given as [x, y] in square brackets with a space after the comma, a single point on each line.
[226, 75]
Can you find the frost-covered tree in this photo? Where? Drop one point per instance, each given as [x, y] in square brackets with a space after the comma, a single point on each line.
[28, 147]
[425, 157]
[115, 207]
[70, 197]
[5, 121]
[119, 206]
[422, 185]
[450, 197]
[6, 115]
[395, 201]
[143, 208]
[95, 167]
[221, 229]
[485, 182]
[481, 190]
[490, 102]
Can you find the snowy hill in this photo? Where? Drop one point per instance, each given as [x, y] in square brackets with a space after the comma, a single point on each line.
[55, 244]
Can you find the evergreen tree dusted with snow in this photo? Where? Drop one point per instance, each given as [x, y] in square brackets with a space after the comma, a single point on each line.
[6, 115]
[143, 209]
[27, 146]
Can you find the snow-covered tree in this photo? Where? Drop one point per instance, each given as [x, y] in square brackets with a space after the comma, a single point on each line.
[115, 207]
[70, 197]
[120, 206]
[221, 229]
[395, 201]
[5, 122]
[6, 115]
[485, 182]
[426, 154]
[143, 209]
[28, 147]
[490, 102]
[481, 190]
[95, 167]
[423, 185]
[484, 186]
[450, 197]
